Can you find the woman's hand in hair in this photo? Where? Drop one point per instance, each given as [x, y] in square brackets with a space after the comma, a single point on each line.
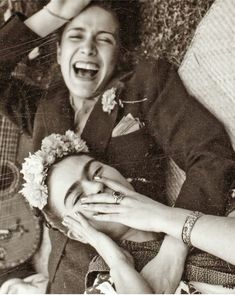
[67, 8]
[56, 14]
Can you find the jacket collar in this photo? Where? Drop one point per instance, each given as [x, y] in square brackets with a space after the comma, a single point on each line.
[98, 130]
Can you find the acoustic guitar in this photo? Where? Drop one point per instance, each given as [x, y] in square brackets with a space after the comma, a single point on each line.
[19, 228]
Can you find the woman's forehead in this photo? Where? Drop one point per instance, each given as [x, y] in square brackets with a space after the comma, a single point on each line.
[78, 161]
[67, 171]
[95, 16]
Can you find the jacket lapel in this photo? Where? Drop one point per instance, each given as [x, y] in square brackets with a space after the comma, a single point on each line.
[98, 129]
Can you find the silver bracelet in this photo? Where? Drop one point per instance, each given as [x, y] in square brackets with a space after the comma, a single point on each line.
[55, 15]
[188, 226]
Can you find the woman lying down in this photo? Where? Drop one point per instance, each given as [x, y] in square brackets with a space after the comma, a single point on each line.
[63, 178]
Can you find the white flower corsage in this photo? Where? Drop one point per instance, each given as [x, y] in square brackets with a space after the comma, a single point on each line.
[108, 100]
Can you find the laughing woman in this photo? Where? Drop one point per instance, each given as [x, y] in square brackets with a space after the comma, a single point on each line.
[132, 119]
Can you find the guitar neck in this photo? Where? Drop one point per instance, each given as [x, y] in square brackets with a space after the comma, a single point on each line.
[9, 139]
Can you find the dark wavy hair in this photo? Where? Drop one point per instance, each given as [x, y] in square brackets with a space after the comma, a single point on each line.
[127, 14]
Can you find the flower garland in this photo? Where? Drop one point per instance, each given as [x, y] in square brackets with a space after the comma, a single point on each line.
[35, 167]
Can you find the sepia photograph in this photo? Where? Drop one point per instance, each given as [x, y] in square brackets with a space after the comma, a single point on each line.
[117, 146]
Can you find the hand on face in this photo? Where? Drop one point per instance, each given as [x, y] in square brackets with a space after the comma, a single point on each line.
[81, 230]
[134, 210]
[68, 8]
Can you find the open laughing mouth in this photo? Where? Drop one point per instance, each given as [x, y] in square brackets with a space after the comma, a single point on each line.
[85, 70]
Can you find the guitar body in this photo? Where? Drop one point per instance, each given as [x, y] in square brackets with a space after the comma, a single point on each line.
[19, 228]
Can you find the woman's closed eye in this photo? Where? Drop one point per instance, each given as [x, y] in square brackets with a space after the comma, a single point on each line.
[76, 37]
[76, 198]
[105, 38]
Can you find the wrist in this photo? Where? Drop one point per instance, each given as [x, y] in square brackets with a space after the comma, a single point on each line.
[162, 219]
[188, 226]
[55, 15]
[55, 9]
[69, 10]
[174, 221]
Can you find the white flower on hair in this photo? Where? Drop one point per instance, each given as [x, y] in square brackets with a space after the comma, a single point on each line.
[71, 135]
[49, 159]
[32, 166]
[35, 167]
[108, 100]
[35, 195]
[51, 142]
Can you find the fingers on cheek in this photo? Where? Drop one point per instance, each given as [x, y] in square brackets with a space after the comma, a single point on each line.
[103, 208]
[103, 217]
[104, 197]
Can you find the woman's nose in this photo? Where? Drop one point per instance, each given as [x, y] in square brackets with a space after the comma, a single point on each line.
[88, 48]
[92, 187]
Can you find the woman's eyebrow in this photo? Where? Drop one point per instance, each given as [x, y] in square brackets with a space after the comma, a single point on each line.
[77, 183]
[76, 29]
[107, 32]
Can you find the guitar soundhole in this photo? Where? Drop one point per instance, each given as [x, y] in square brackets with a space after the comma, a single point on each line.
[9, 178]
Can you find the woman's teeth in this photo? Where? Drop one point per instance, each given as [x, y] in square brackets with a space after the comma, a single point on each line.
[85, 70]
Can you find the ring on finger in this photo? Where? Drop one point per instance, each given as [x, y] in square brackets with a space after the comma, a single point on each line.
[118, 197]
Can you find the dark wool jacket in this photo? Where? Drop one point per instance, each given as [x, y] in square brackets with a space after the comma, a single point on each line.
[175, 125]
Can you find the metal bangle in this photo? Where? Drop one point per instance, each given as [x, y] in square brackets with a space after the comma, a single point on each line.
[55, 15]
[188, 226]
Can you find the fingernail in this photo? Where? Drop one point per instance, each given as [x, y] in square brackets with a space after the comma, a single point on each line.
[66, 220]
[83, 199]
[95, 215]
[64, 223]
[97, 178]
[84, 205]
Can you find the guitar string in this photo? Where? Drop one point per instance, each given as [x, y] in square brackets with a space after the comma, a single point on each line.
[9, 147]
[18, 50]
[6, 145]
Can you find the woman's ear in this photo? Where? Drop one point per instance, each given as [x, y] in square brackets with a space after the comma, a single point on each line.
[58, 53]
